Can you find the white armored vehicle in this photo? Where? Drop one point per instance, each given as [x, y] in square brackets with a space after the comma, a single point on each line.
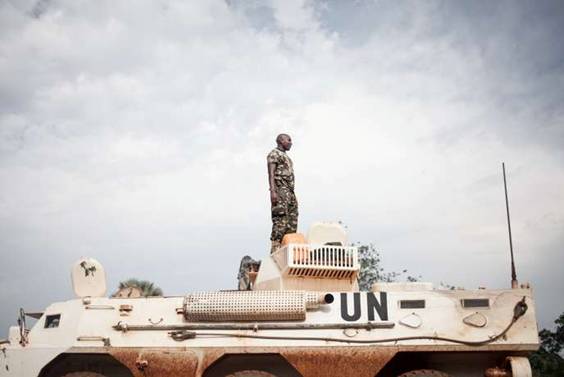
[301, 316]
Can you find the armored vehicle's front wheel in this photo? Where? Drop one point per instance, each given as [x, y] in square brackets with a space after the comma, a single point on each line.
[424, 373]
[251, 373]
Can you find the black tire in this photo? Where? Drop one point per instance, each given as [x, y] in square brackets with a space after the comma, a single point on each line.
[83, 374]
[424, 373]
[251, 373]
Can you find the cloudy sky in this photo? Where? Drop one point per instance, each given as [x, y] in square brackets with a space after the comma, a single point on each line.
[136, 132]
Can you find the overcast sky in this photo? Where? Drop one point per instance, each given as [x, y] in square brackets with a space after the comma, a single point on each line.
[136, 132]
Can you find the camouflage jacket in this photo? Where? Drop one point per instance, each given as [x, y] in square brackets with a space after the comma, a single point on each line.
[284, 171]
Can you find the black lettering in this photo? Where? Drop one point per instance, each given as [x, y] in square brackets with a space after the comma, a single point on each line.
[381, 306]
[345, 310]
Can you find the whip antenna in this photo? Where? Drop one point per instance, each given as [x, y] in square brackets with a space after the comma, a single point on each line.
[514, 283]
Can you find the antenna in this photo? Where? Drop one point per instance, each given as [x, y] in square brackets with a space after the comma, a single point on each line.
[514, 283]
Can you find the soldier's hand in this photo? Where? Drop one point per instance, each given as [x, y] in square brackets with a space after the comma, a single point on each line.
[273, 197]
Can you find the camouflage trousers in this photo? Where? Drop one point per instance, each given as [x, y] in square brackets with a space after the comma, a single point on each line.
[284, 214]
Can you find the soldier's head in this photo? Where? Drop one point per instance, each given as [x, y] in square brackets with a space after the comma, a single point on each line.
[284, 142]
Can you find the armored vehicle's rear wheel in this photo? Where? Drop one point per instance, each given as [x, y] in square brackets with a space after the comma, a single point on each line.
[251, 373]
[424, 373]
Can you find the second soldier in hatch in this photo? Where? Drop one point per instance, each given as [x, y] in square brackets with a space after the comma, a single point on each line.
[284, 205]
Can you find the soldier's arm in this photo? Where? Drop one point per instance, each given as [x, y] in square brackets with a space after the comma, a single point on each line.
[271, 183]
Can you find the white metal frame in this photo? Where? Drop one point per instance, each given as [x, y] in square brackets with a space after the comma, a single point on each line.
[323, 261]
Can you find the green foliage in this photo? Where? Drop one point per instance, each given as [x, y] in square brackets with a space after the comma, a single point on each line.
[148, 288]
[371, 270]
[547, 362]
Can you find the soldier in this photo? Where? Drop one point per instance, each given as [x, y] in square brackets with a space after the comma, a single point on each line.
[283, 201]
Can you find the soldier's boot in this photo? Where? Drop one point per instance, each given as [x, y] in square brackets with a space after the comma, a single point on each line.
[275, 246]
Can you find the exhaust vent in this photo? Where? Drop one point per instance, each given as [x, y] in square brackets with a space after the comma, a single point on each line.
[250, 305]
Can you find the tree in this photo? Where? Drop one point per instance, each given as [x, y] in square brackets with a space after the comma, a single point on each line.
[547, 361]
[145, 287]
[371, 270]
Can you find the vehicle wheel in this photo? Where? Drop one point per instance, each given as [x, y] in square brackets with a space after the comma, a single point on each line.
[251, 373]
[424, 373]
[83, 374]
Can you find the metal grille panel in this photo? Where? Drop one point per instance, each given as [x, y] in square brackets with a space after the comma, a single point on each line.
[249, 306]
[324, 261]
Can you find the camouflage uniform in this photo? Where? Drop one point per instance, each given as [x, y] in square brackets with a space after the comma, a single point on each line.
[285, 212]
